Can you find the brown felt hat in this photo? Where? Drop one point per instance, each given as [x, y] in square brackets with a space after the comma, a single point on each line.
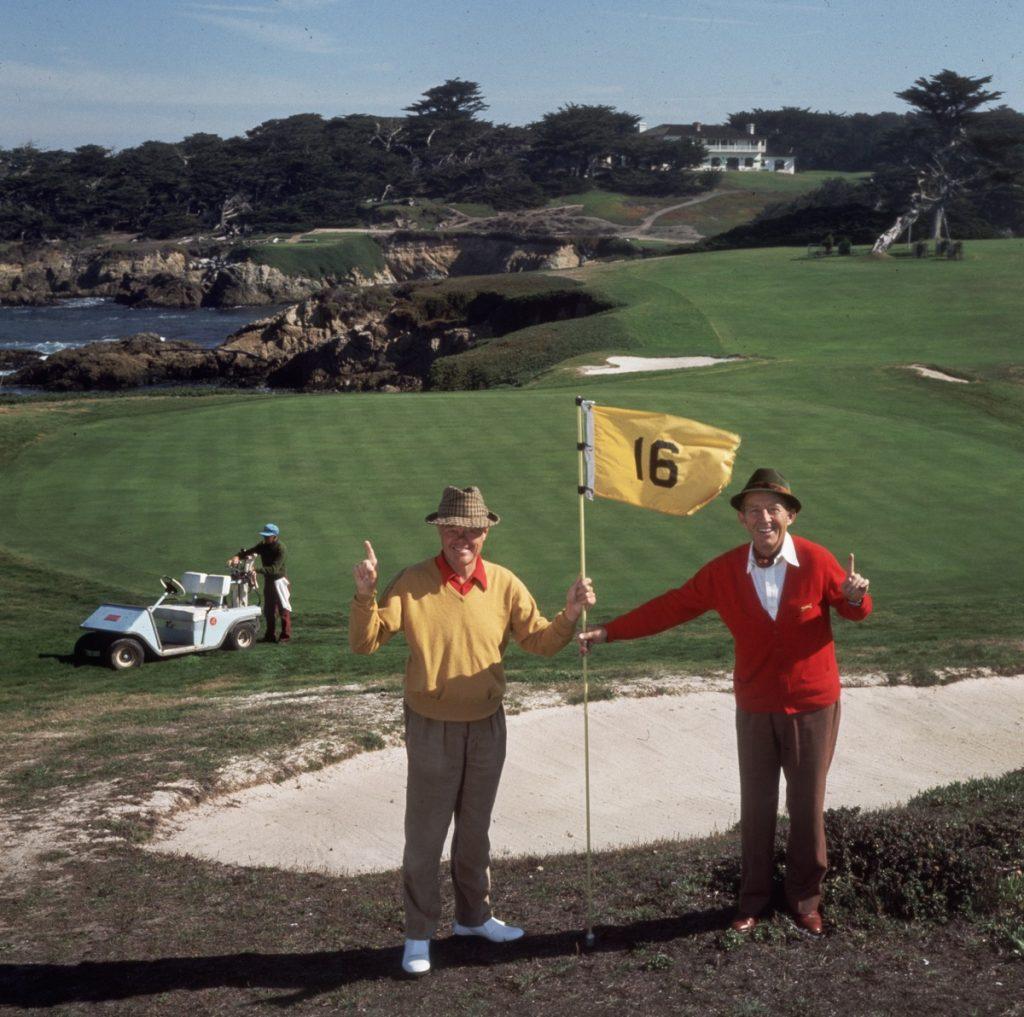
[463, 506]
[767, 480]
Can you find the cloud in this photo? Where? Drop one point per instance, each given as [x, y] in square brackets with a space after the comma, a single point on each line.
[783, 6]
[269, 7]
[24, 82]
[696, 21]
[305, 5]
[233, 8]
[299, 38]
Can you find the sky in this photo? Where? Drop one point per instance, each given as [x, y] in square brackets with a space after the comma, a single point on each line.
[119, 72]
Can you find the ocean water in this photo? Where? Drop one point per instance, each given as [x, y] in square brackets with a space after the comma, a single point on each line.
[91, 319]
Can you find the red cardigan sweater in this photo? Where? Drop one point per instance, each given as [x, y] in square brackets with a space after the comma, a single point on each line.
[783, 666]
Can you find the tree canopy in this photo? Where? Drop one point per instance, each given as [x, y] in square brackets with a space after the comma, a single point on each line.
[306, 169]
[958, 157]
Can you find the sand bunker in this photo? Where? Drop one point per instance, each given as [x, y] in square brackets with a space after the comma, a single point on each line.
[661, 767]
[629, 365]
[927, 372]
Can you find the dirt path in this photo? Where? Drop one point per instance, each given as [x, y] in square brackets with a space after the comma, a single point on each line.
[645, 227]
[661, 767]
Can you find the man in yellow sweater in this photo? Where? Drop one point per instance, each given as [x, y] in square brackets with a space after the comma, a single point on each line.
[457, 612]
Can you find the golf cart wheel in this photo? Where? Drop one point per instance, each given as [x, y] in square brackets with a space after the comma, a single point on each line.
[241, 637]
[125, 654]
[90, 646]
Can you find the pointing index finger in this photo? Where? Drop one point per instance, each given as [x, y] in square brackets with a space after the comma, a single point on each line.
[370, 556]
[851, 567]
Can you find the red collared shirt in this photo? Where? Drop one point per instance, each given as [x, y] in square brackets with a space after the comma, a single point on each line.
[456, 582]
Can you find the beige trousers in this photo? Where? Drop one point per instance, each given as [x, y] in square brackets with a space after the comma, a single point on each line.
[801, 746]
[454, 770]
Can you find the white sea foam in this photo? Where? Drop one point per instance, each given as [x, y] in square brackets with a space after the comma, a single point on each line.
[49, 347]
[84, 302]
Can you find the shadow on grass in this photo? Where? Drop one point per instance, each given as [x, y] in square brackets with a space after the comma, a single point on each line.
[303, 976]
[69, 658]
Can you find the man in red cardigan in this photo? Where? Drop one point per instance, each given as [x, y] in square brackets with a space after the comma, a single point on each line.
[775, 595]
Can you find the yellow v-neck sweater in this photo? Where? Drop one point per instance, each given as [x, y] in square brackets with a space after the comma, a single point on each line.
[456, 643]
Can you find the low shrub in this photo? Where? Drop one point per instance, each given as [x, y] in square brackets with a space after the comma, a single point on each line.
[947, 853]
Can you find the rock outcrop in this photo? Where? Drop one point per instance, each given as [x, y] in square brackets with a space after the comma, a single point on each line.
[171, 276]
[138, 360]
[14, 359]
[419, 256]
[342, 340]
[165, 277]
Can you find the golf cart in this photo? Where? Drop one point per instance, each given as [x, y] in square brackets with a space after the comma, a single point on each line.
[201, 612]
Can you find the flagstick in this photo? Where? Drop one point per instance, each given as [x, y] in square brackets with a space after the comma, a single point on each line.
[589, 937]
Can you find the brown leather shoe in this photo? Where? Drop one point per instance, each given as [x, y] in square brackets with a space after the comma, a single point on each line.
[809, 923]
[744, 923]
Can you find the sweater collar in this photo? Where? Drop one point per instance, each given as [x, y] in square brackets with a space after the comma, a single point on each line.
[453, 579]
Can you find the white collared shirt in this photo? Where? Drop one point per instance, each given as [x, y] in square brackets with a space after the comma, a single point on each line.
[768, 582]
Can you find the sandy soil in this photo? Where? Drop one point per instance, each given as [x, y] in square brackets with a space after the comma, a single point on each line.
[629, 365]
[661, 767]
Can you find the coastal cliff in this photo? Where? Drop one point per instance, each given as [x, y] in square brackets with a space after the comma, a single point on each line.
[174, 276]
[164, 277]
[343, 339]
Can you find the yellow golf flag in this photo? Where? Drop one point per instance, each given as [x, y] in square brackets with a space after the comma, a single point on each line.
[668, 464]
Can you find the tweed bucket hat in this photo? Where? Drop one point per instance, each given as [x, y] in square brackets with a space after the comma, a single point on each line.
[463, 506]
[771, 481]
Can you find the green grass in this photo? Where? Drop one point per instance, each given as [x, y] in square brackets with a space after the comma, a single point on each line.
[621, 209]
[918, 477]
[738, 197]
[477, 209]
[741, 196]
[320, 256]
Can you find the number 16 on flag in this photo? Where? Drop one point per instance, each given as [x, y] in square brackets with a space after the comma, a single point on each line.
[653, 460]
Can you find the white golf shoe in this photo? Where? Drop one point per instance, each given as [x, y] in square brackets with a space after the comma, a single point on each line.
[493, 929]
[416, 958]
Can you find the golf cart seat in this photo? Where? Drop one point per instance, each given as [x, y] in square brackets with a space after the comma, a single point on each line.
[215, 588]
[193, 583]
[206, 590]
[183, 623]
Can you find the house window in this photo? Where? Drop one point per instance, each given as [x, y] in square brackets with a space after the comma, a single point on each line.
[716, 162]
[732, 164]
[780, 164]
[749, 163]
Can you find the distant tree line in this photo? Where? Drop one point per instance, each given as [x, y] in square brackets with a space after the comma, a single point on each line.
[947, 167]
[306, 170]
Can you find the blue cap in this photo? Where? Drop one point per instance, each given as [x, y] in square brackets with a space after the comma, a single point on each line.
[270, 530]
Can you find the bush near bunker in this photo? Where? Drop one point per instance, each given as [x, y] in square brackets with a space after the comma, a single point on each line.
[946, 854]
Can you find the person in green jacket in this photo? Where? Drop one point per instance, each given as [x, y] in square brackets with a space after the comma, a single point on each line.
[276, 588]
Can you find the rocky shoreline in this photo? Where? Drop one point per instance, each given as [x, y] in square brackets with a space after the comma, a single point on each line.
[358, 332]
[344, 339]
[163, 277]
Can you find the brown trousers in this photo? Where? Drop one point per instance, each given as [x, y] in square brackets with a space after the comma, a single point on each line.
[801, 746]
[272, 608]
[454, 770]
